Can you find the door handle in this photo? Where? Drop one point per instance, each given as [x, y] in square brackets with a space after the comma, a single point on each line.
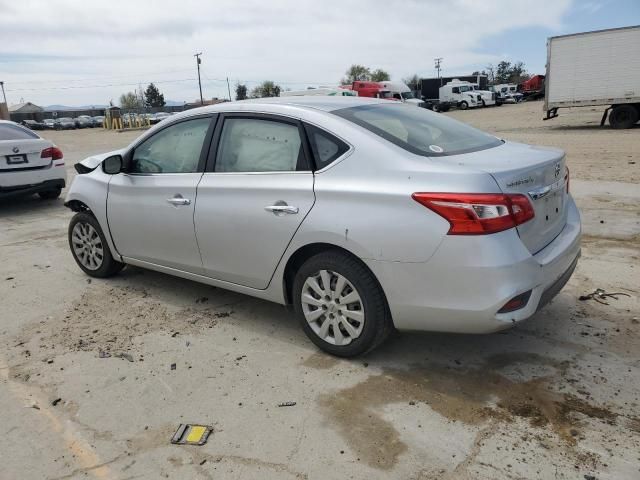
[179, 200]
[280, 210]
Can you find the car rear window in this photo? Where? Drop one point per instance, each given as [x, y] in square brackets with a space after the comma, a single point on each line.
[14, 132]
[419, 130]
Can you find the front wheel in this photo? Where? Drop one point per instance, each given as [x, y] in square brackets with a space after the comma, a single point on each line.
[463, 105]
[340, 304]
[89, 247]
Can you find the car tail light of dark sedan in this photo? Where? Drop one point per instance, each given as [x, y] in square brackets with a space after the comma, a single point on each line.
[478, 213]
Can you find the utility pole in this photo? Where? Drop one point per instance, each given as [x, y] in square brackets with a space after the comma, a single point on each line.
[3, 94]
[198, 62]
[437, 66]
[228, 89]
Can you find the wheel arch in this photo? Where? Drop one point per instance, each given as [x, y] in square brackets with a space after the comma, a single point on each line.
[303, 253]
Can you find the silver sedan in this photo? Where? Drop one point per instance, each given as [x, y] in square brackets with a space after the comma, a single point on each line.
[364, 215]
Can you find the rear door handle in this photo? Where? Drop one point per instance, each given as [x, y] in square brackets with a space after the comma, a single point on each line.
[282, 209]
[178, 200]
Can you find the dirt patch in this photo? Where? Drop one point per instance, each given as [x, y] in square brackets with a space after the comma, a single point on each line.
[471, 396]
[107, 320]
[320, 360]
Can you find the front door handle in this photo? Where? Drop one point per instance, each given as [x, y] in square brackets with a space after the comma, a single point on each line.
[178, 200]
[280, 210]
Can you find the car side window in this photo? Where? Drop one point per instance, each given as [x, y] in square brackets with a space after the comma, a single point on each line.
[175, 149]
[455, 90]
[325, 147]
[259, 145]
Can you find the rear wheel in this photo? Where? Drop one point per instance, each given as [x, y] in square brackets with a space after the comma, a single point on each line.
[623, 116]
[89, 247]
[50, 194]
[340, 304]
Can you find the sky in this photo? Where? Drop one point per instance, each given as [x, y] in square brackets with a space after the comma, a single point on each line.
[74, 52]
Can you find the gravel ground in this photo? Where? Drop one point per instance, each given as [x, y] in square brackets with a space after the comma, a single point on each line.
[555, 397]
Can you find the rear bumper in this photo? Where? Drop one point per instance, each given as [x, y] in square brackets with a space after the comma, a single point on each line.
[469, 279]
[31, 189]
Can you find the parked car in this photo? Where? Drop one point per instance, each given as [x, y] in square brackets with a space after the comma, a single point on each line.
[65, 123]
[83, 121]
[363, 214]
[32, 124]
[158, 117]
[49, 123]
[29, 163]
[97, 121]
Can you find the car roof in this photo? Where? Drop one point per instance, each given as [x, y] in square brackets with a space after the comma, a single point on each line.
[318, 102]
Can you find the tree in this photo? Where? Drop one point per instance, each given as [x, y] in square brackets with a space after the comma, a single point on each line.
[130, 100]
[491, 73]
[356, 73]
[503, 72]
[518, 73]
[266, 89]
[153, 97]
[413, 82]
[241, 91]
[379, 75]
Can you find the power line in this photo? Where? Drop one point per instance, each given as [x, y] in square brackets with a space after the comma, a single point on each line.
[104, 77]
[96, 86]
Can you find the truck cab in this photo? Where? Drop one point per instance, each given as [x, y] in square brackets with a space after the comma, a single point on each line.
[461, 94]
[371, 90]
[488, 97]
[508, 92]
[401, 92]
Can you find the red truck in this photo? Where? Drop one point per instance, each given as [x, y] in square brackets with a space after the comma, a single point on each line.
[533, 88]
[370, 89]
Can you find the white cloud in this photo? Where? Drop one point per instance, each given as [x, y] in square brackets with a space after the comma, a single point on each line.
[70, 43]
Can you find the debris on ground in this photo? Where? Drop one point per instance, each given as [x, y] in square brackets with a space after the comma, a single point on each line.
[191, 434]
[173, 366]
[56, 401]
[240, 358]
[126, 356]
[286, 404]
[9, 278]
[600, 295]
[103, 354]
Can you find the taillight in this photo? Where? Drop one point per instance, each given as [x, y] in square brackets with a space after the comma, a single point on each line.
[478, 213]
[54, 153]
[566, 179]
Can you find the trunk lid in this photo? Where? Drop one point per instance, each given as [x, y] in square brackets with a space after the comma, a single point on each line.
[23, 154]
[537, 172]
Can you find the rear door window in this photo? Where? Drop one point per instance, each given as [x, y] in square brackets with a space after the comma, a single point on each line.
[14, 132]
[325, 147]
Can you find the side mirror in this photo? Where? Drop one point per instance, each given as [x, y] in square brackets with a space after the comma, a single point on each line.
[112, 165]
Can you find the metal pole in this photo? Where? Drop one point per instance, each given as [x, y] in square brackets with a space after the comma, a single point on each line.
[3, 94]
[197, 55]
[228, 89]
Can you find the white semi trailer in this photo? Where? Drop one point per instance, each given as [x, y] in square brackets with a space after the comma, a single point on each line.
[600, 68]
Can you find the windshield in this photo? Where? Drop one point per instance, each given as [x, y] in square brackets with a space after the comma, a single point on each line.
[407, 95]
[419, 130]
[464, 88]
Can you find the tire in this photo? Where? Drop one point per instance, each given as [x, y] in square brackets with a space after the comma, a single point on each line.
[50, 194]
[369, 318]
[463, 105]
[85, 231]
[623, 116]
